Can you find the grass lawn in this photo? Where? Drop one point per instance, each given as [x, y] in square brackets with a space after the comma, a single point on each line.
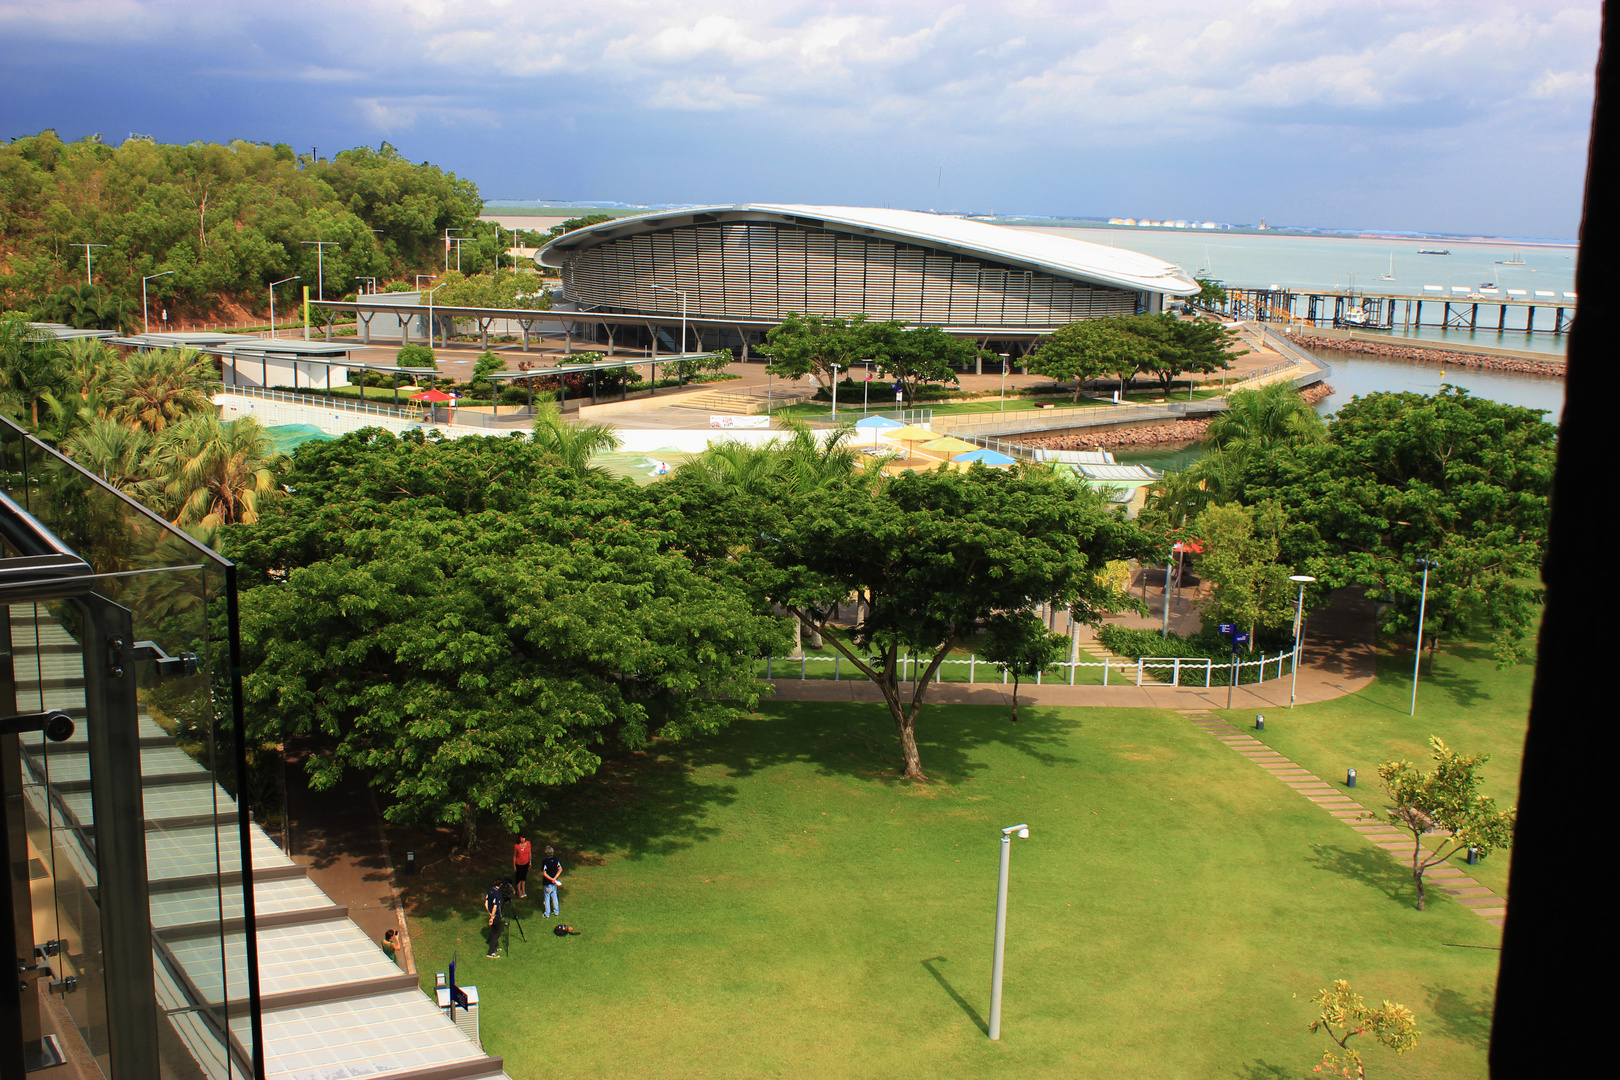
[771, 901]
[1466, 702]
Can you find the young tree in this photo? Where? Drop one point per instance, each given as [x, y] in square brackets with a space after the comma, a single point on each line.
[1210, 293]
[1181, 345]
[1444, 801]
[1020, 642]
[916, 356]
[929, 557]
[574, 445]
[413, 355]
[803, 345]
[1241, 550]
[1090, 349]
[1345, 1015]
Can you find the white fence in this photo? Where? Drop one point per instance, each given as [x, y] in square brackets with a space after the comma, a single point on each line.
[1156, 670]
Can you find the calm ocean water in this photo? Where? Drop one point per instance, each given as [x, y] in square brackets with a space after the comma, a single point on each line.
[1249, 260]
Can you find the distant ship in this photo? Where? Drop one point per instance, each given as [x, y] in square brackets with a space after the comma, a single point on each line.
[1433, 251]
[1517, 260]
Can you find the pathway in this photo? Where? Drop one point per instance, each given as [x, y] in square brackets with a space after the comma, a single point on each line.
[1398, 842]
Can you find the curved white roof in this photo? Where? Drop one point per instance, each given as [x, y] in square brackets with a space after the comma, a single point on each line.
[1048, 254]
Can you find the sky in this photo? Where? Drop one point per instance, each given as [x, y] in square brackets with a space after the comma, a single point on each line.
[1454, 117]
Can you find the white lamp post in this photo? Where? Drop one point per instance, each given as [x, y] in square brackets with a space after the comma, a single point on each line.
[430, 293]
[273, 285]
[682, 294]
[836, 369]
[1299, 625]
[1425, 565]
[1001, 926]
[146, 326]
[87, 248]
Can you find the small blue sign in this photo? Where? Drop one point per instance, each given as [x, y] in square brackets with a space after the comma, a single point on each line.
[1239, 639]
[1227, 628]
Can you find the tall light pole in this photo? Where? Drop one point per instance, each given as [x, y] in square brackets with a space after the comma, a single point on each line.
[430, 293]
[1001, 926]
[320, 247]
[458, 241]
[1299, 626]
[836, 370]
[667, 288]
[146, 325]
[447, 233]
[273, 285]
[1425, 565]
[87, 248]
[1004, 385]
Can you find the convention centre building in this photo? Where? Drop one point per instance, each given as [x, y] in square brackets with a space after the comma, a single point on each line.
[744, 268]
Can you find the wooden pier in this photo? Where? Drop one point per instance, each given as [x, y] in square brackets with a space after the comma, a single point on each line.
[1453, 308]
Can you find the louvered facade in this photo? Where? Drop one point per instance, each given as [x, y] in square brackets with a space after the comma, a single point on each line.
[763, 270]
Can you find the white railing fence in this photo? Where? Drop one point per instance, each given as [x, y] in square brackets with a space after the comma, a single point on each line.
[1159, 670]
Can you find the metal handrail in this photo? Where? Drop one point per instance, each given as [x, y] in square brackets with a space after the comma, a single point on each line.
[336, 403]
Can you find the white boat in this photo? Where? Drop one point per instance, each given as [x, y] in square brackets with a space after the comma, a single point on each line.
[1391, 275]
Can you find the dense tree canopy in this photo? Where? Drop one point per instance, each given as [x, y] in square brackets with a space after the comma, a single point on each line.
[1161, 346]
[227, 220]
[468, 622]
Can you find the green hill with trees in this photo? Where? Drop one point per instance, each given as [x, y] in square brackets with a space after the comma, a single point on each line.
[224, 220]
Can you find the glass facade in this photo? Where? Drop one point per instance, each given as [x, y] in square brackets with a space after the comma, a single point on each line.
[128, 838]
[765, 270]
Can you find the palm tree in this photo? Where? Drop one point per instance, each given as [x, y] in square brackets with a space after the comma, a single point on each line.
[1264, 418]
[216, 473]
[91, 361]
[30, 364]
[155, 390]
[575, 445]
[115, 452]
[751, 469]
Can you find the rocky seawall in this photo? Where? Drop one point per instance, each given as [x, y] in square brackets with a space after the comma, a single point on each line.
[1443, 357]
[1176, 431]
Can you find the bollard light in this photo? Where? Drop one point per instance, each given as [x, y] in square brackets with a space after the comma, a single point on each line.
[1001, 927]
[1350, 778]
[1473, 856]
[1259, 722]
[410, 862]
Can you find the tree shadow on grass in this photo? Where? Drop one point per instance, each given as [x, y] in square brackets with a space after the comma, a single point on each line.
[858, 740]
[961, 1002]
[1371, 867]
[1264, 1070]
[1463, 1016]
[639, 805]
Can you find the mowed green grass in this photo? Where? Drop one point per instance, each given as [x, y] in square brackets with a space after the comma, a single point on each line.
[772, 901]
[1466, 701]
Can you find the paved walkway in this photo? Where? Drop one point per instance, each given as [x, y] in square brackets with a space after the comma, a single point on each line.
[1334, 799]
[338, 835]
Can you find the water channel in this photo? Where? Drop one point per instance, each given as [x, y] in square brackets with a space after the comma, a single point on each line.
[1356, 374]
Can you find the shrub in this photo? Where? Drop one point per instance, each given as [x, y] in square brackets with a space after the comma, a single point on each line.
[416, 356]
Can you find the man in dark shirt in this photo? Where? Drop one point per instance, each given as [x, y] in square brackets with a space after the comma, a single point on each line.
[493, 928]
[551, 871]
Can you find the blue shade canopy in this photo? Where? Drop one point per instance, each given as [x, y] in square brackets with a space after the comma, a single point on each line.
[881, 423]
[988, 457]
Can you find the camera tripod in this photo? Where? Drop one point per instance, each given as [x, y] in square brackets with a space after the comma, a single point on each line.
[508, 919]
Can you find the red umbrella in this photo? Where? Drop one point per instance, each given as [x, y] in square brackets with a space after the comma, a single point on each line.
[433, 395]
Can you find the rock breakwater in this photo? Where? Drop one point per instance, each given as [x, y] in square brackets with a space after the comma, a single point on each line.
[1443, 357]
[1176, 431]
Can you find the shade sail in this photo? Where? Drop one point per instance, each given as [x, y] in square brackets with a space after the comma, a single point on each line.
[881, 423]
[433, 395]
[948, 444]
[988, 457]
[910, 434]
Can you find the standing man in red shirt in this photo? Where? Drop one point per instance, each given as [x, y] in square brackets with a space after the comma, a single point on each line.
[521, 857]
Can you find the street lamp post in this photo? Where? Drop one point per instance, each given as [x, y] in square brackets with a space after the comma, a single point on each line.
[146, 325]
[682, 293]
[1423, 602]
[447, 233]
[320, 247]
[430, 293]
[87, 248]
[1299, 626]
[1001, 926]
[273, 285]
[836, 370]
[1004, 385]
